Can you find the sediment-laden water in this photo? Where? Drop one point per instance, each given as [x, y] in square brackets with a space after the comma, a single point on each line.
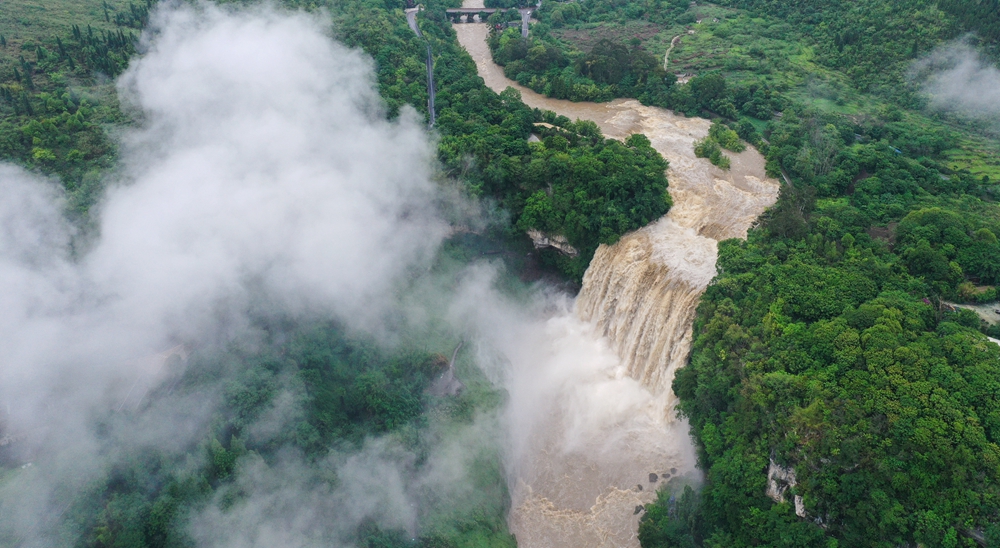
[609, 436]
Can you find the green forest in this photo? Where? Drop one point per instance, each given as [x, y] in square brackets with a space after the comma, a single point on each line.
[830, 342]
[55, 97]
[346, 389]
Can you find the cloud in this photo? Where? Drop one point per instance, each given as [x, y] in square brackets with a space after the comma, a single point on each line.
[262, 176]
[957, 78]
[572, 410]
[265, 157]
[293, 504]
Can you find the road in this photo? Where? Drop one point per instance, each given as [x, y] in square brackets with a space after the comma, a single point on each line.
[411, 19]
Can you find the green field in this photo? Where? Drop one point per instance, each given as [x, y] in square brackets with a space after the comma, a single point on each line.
[22, 20]
[27, 23]
[57, 64]
[977, 155]
[753, 49]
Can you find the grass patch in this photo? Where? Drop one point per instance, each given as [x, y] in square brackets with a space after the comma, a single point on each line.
[27, 22]
[978, 157]
[584, 39]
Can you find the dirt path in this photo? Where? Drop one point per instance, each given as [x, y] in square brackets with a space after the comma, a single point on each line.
[989, 312]
[673, 43]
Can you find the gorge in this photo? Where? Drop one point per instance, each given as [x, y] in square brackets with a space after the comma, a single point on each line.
[581, 480]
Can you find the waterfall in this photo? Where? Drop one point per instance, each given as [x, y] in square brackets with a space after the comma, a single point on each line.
[641, 305]
[591, 421]
[642, 292]
[639, 297]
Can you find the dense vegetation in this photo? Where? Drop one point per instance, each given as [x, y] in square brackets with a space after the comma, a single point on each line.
[720, 137]
[55, 97]
[827, 344]
[574, 183]
[817, 351]
[347, 388]
[871, 41]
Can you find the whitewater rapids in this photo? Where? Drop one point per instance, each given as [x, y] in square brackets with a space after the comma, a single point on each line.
[603, 436]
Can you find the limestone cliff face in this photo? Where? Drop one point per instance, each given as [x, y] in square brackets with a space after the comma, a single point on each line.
[779, 480]
[541, 239]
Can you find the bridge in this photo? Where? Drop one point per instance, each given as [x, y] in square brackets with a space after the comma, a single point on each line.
[456, 13]
[470, 13]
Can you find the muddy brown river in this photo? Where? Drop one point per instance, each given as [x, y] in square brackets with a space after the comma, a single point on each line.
[610, 437]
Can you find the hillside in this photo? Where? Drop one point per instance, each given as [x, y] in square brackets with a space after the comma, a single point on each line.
[841, 390]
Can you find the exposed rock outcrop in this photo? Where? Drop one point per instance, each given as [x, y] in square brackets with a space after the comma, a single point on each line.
[541, 239]
[779, 480]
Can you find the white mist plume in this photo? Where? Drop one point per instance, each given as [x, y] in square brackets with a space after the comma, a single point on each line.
[957, 78]
[582, 436]
[262, 168]
[291, 504]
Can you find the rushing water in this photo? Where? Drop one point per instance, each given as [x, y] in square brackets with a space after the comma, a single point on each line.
[583, 469]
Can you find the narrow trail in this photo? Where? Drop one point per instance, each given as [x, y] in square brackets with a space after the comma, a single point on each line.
[610, 438]
[673, 43]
